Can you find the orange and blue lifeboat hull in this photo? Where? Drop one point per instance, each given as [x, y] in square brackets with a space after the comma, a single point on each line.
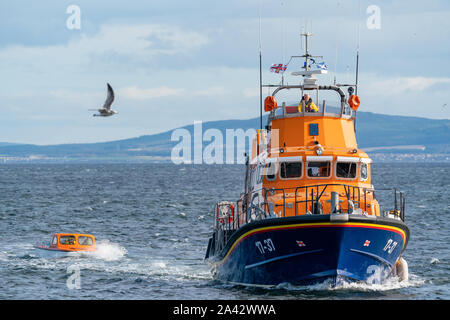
[310, 249]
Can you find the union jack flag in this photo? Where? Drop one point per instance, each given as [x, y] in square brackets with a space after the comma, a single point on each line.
[367, 243]
[301, 244]
[278, 67]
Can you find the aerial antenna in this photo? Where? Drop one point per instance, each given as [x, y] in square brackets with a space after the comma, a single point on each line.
[337, 45]
[357, 56]
[301, 42]
[282, 41]
[306, 55]
[357, 47]
[260, 68]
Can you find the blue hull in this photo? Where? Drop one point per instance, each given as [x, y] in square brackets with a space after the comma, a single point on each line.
[309, 249]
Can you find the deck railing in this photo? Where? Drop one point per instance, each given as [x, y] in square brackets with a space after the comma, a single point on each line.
[246, 211]
[312, 195]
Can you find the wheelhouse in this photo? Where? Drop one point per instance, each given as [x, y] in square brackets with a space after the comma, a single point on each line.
[73, 242]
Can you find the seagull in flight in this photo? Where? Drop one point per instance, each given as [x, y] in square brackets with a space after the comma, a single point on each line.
[106, 110]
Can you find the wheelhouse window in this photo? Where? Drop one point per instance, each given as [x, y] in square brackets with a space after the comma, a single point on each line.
[319, 169]
[364, 171]
[271, 171]
[67, 240]
[85, 241]
[291, 170]
[346, 170]
[54, 241]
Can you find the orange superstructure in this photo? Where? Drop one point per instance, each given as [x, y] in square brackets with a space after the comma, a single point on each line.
[314, 155]
[309, 162]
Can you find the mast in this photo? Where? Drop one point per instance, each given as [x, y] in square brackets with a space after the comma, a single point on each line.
[357, 58]
[306, 55]
[260, 69]
[357, 49]
[260, 90]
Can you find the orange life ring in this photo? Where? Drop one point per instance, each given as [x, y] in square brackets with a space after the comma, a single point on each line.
[230, 219]
[270, 103]
[354, 102]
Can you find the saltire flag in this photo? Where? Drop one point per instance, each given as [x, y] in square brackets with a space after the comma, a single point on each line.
[367, 243]
[278, 67]
[322, 66]
[301, 243]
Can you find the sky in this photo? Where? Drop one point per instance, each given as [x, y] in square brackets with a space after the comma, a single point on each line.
[175, 62]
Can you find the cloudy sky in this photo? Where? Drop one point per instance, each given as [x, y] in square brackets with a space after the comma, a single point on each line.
[174, 62]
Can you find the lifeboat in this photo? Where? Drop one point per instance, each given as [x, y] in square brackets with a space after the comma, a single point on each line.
[63, 243]
[308, 212]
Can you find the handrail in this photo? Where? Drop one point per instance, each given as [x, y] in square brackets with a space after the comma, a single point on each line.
[399, 202]
[347, 192]
[350, 192]
[273, 191]
[273, 115]
[335, 88]
[225, 230]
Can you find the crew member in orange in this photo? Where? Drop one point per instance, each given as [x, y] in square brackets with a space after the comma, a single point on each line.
[308, 104]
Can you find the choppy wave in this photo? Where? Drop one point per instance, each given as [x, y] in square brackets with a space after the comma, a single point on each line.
[157, 219]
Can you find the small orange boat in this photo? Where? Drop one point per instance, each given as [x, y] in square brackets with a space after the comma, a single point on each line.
[63, 243]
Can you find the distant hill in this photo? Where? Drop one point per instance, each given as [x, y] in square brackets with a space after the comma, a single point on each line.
[377, 132]
[3, 144]
[384, 130]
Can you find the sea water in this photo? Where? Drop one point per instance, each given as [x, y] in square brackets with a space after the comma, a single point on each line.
[152, 223]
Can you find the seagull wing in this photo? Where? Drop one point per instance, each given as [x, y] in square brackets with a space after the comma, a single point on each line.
[109, 98]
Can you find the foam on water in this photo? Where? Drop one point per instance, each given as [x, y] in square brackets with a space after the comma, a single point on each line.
[391, 283]
[166, 270]
[109, 251]
[3, 256]
[434, 261]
